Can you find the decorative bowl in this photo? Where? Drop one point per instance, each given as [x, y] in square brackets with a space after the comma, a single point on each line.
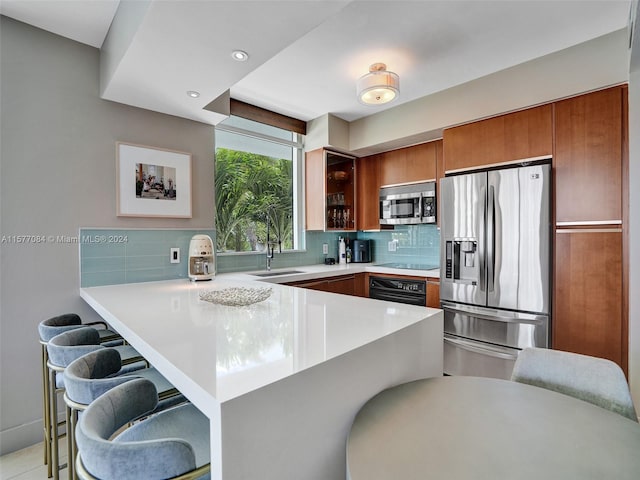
[236, 296]
[339, 176]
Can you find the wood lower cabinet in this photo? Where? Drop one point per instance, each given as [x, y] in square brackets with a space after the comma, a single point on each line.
[588, 312]
[344, 284]
[502, 139]
[433, 292]
[588, 157]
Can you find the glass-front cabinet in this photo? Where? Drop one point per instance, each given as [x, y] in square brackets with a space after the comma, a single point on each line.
[330, 191]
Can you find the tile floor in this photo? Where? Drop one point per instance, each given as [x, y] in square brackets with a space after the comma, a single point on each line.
[28, 463]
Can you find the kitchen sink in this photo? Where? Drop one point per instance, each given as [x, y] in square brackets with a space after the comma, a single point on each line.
[273, 274]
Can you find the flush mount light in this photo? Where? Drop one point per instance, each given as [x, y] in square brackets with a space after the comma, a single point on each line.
[239, 56]
[378, 86]
[193, 94]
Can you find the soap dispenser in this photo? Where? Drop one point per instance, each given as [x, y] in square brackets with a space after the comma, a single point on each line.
[342, 251]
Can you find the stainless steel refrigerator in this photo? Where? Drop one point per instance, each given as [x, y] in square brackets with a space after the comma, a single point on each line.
[495, 267]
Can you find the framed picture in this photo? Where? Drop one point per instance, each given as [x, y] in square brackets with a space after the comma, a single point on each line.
[152, 182]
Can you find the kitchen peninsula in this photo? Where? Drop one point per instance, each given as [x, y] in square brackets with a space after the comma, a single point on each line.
[280, 380]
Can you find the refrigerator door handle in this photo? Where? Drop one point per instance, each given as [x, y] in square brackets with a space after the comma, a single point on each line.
[492, 351]
[491, 239]
[482, 285]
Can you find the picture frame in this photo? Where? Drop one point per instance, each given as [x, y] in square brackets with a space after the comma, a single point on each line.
[152, 182]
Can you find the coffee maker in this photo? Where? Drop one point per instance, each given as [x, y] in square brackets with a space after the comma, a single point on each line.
[201, 260]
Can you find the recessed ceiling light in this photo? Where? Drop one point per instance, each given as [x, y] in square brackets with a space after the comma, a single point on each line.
[193, 94]
[239, 56]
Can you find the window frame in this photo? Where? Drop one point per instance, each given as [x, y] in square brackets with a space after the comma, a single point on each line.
[297, 145]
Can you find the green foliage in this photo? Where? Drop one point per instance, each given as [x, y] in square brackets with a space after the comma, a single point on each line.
[252, 189]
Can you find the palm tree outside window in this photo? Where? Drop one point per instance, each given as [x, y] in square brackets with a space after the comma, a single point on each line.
[257, 183]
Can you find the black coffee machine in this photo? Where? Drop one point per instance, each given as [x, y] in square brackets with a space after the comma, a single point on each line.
[361, 251]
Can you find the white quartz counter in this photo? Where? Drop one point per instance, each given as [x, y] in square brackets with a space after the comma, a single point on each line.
[309, 272]
[228, 351]
[280, 380]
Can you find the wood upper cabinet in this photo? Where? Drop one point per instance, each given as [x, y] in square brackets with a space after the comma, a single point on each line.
[330, 180]
[367, 193]
[507, 138]
[408, 165]
[588, 312]
[588, 157]
[314, 190]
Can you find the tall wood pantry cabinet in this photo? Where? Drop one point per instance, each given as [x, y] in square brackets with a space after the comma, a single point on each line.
[590, 286]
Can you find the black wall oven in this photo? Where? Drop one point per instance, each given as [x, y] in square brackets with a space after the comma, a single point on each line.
[413, 292]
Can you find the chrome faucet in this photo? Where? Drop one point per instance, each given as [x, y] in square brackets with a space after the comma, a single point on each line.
[269, 257]
[270, 251]
[270, 244]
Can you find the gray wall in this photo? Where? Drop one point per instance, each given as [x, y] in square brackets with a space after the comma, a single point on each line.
[57, 173]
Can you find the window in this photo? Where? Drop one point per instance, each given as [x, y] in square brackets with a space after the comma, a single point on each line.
[258, 187]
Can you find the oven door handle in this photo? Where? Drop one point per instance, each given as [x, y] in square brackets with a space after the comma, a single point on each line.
[483, 349]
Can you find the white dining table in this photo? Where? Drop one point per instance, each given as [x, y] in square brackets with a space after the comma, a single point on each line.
[481, 428]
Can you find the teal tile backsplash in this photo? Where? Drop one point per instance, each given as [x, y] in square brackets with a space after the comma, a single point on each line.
[112, 256]
[415, 244]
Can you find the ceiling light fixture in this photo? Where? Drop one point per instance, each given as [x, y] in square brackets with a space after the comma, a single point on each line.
[193, 94]
[239, 56]
[378, 86]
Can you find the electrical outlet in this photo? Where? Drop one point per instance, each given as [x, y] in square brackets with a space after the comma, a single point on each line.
[392, 245]
[174, 256]
[325, 249]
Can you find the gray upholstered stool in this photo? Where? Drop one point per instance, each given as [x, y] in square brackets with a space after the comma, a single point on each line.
[62, 350]
[170, 444]
[594, 380]
[47, 329]
[97, 372]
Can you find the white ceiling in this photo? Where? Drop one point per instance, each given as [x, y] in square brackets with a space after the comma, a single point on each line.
[306, 55]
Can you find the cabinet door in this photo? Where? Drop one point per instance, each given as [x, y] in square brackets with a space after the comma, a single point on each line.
[314, 190]
[433, 293]
[361, 287]
[439, 175]
[588, 293]
[345, 285]
[588, 157]
[498, 140]
[407, 165]
[368, 191]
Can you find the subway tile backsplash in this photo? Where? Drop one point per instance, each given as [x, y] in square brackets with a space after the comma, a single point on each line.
[413, 244]
[112, 256]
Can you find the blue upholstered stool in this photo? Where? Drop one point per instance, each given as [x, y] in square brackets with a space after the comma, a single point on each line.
[171, 444]
[97, 372]
[47, 329]
[62, 350]
[594, 380]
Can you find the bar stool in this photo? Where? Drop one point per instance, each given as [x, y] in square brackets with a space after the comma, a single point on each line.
[62, 350]
[47, 329]
[174, 443]
[97, 372]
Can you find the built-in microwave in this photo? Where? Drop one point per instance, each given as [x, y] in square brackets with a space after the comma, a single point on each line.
[408, 204]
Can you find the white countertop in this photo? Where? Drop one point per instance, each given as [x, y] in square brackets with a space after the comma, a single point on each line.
[310, 272]
[218, 352]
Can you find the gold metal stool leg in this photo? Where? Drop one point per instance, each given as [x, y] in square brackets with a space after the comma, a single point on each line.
[55, 425]
[46, 410]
